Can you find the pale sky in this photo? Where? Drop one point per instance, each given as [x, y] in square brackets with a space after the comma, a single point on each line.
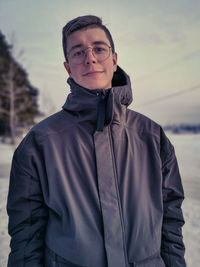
[157, 42]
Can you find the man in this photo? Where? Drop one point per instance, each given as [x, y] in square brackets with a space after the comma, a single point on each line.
[95, 184]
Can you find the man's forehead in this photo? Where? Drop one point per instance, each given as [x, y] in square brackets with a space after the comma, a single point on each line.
[88, 36]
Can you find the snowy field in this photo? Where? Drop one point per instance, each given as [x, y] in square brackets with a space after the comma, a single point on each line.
[187, 147]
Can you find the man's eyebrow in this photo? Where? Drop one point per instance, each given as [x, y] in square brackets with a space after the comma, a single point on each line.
[99, 42]
[80, 45]
[75, 46]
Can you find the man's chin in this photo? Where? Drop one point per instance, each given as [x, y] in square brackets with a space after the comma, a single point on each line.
[95, 85]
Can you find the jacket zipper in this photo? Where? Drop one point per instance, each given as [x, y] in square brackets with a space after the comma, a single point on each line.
[100, 112]
[100, 94]
[118, 197]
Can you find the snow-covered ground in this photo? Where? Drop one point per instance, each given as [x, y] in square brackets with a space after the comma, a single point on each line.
[6, 153]
[187, 147]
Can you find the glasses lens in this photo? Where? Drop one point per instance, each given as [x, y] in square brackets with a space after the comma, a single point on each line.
[77, 56]
[101, 52]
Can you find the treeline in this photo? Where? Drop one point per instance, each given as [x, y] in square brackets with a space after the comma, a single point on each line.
[183, 128]
[18, 98]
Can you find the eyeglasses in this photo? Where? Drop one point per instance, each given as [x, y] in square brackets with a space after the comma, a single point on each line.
[101, 52]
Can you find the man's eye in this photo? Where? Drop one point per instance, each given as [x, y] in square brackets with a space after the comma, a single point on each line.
[78, 53]
[99, 49]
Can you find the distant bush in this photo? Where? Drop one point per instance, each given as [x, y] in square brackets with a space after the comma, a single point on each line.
[183, 128]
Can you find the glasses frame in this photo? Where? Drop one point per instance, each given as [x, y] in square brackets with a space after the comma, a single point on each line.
[92, 48]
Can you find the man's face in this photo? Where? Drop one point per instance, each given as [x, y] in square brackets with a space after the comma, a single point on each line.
[91, 73]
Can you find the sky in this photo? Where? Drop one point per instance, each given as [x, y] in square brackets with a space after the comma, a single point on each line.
[157, 42]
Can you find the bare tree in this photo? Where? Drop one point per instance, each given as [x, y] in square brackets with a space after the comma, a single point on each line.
[18, 98]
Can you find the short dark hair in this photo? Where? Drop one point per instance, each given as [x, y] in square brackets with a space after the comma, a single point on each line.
[84, 22]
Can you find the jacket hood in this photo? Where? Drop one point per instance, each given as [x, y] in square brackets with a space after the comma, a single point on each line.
[100, 106]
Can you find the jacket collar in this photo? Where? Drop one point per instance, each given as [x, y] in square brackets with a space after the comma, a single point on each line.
[100, 106]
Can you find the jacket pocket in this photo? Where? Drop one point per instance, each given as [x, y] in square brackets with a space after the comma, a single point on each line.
[153, 261]
[53, 260]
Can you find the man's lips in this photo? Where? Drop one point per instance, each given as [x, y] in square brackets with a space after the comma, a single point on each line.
[93, 73]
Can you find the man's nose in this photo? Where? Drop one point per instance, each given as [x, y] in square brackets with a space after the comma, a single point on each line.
[89, 57]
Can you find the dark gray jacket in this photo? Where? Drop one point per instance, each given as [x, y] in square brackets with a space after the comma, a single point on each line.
[96, 185]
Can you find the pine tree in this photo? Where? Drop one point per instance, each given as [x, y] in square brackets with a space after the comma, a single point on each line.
[18, 98]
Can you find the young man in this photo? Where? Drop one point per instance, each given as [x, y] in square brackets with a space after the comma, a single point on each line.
[96, 184]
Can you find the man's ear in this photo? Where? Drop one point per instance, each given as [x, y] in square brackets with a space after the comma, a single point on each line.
[66, 64]
[114, 61]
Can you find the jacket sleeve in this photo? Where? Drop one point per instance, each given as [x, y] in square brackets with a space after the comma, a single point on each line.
[172, 246]
[27, 218]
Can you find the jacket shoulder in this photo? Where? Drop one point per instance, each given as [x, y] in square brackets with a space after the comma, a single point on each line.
[52, 124]
[149, 129]
[142, 123]
[40, 133]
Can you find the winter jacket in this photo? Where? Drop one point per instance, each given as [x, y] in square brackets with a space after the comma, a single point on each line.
[96, 185]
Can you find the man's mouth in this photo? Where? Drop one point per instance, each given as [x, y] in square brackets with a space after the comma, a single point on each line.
[93, 73]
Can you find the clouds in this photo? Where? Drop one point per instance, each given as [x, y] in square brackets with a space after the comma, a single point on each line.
[158, 41]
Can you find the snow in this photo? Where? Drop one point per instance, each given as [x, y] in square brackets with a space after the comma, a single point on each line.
[4, 237]
[187, 147]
